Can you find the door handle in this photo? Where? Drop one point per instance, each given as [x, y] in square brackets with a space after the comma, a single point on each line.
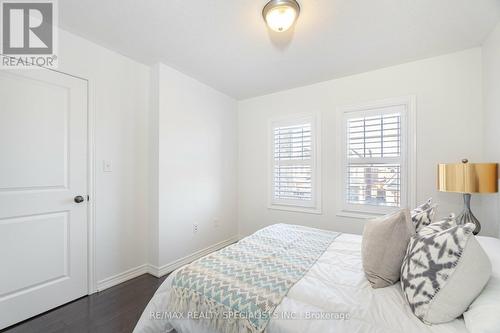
[79, 199]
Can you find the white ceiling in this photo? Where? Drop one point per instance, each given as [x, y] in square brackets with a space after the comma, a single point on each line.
[225, 43]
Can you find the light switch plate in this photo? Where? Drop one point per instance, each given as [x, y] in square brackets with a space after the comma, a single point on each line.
[107, 166]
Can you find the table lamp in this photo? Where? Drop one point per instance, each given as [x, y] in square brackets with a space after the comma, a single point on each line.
[467, 178]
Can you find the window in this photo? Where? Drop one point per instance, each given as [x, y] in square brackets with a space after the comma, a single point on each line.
[294, 171]
[376, 150]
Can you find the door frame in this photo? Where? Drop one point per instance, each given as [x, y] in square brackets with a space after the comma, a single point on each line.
[91, 107]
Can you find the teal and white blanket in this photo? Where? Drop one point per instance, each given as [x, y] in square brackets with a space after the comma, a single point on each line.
[239, 287]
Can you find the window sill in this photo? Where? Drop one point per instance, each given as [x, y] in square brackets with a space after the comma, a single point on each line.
[358, 215]
[296, 209]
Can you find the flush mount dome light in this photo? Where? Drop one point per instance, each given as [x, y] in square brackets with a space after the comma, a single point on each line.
[281, 14]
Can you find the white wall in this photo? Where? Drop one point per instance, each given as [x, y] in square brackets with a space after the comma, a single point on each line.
[491, 94]
[173, 145]
[178, 164]
[197, 165]
[449, 128]
[121, 92]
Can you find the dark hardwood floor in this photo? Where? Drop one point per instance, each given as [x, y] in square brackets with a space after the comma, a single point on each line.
[115, 310]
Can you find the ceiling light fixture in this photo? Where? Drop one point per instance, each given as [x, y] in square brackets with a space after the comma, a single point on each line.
[281, 14]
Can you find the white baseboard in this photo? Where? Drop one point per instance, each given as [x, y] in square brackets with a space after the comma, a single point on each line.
[122, 277]
[163, 270]
[170, 267]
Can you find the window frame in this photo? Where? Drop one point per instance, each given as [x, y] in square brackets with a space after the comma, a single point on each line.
[314, 206]
[407, 158]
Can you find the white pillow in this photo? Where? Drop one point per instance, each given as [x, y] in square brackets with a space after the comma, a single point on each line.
[483, 315]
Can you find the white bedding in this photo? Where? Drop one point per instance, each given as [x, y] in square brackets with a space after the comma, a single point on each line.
[335, 284]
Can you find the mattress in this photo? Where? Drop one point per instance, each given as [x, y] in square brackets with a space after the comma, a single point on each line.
[333, 296]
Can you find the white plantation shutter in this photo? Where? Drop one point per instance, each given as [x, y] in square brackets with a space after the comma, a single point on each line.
[293, 167]
[374, 136]
[375, 158]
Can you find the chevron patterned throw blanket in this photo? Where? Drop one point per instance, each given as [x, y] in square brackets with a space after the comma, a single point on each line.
[238, 288]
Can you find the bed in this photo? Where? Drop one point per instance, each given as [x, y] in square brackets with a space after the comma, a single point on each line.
[333, 296]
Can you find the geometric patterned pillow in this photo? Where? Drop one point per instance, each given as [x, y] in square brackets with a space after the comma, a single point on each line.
[426, 205]
[423, 215]
[443, 271]
[437, 226]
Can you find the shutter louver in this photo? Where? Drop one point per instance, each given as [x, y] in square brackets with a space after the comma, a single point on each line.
[292, 174]
[373, 170]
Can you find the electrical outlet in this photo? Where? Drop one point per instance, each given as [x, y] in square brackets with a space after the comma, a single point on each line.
[195, 228]
[216, 223]
[107, 166]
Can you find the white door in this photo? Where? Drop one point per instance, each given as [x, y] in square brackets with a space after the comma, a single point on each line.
[43, 167]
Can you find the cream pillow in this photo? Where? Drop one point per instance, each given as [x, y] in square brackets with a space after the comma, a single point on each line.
[443, 272]
[384, 243]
